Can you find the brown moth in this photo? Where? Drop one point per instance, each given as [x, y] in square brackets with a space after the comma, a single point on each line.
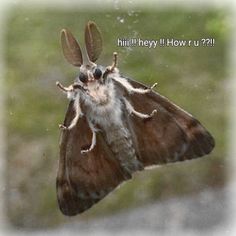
[115, 126]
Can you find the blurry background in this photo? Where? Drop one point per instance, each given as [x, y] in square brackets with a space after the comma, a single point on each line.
[195, 78]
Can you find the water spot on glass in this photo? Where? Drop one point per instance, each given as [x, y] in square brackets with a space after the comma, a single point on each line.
[131, 13]
[120, 19]
[129, 49]
[135, 34]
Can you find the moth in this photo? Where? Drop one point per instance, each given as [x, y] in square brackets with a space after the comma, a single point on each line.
[115, 126]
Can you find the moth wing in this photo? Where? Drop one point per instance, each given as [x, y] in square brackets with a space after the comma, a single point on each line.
[171, 135]
[84, 179]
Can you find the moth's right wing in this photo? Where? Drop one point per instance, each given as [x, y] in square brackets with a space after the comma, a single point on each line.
[171, 135]
[84, 179]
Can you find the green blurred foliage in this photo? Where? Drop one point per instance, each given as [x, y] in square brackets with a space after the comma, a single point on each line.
[192, 77]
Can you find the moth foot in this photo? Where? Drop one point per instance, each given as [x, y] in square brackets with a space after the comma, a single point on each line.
[153, 86]
[85, 151]
[148, 90]
[63, 88]
[153, 113]
[63, 127]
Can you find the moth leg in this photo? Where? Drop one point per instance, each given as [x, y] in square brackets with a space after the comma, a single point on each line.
[131, 89]
[61, 126]
[148, 90]
[114, 63]
[143, 116]
[93, 139]
[112, 68]
[153, 86]
[78, 113]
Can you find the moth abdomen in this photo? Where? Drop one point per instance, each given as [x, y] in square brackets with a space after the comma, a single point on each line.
[120, 142]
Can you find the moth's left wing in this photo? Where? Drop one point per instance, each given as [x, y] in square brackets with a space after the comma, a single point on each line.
[171, 135]
[83, 180]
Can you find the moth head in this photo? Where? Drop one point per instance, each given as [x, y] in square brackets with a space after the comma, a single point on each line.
[91, 74]
[89, 71]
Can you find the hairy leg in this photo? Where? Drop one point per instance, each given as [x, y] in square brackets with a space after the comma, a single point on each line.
[131, 89]
[94, 130]
[131, 111]
[78, 113]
